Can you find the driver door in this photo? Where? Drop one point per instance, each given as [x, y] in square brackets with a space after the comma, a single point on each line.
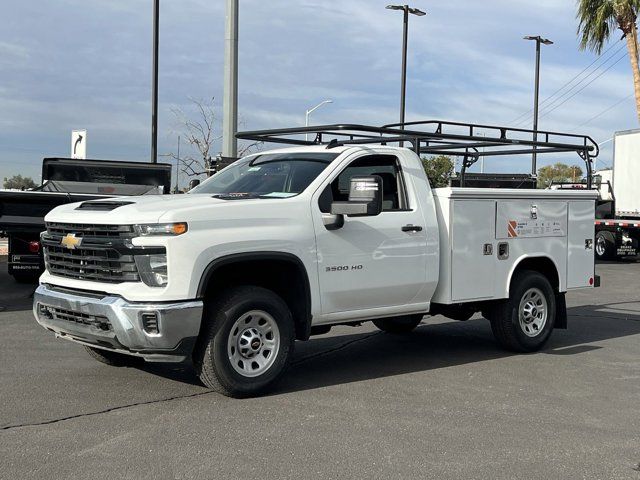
[370, 262]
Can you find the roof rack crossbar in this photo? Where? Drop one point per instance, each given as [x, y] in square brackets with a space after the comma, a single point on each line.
[439, 137]
[353, 133]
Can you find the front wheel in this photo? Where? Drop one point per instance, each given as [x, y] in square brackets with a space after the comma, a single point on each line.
[404, 324]
[246, 342]
[524, 322]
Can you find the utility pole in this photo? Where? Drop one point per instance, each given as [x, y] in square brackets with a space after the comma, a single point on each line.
[178, 168]
[154, 82]
[405, 40]
[539, 40]
[230, 99]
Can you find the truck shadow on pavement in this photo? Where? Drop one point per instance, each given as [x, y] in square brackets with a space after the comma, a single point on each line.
[353, 358]
[332, 359]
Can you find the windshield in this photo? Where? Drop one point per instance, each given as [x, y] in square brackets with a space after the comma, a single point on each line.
[279, 175]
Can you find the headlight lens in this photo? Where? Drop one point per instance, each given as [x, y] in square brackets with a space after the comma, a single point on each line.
[157, 229]
[153, 269]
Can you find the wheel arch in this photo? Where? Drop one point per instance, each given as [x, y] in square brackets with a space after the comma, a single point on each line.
[282, 272]
[542, 264]
[547, 267]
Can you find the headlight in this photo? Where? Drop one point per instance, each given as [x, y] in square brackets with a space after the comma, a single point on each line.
[157, 229]
[153, 269]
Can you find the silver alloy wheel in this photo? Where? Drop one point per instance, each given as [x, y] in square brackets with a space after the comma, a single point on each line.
[533, 312]
[253, 343]
[601, 245]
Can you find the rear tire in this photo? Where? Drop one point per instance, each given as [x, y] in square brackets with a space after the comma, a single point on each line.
[113, 359]
[398, 325]
[246, 342]
[524, 322]
[605, 245]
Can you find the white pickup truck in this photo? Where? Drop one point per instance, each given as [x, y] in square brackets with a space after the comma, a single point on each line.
[284, 244]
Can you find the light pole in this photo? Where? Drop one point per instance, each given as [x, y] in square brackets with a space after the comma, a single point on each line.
[310, 111]
[405, 35]
[230, 98]
[539, 40]
[178, 167]
[154, 82]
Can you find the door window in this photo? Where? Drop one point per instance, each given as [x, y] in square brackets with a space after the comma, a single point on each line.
[386, 167]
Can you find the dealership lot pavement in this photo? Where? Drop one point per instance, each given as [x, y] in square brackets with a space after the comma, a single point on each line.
[443, 402]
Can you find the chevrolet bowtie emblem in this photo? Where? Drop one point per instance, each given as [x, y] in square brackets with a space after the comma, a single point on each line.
[70, 241]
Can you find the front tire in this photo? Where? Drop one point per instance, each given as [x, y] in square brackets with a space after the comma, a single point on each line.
[524, 322]
[398, 325]
[246, 342]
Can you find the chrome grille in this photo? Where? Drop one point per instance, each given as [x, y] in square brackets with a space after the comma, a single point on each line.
[89, 230]
[98, 258]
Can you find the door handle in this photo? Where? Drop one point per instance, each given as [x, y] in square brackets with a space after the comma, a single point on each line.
[412, 228]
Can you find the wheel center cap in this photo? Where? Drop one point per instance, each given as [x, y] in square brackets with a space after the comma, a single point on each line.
[255, 344]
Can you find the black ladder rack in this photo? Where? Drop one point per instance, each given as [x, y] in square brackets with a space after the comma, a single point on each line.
[470, 141]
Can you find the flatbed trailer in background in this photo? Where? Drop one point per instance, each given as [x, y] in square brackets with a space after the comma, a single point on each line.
[64, 181]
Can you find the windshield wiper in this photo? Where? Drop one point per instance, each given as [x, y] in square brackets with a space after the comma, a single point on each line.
[239, 196]
[246, 196]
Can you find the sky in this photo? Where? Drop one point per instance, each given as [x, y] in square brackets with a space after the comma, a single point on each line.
[74, 64]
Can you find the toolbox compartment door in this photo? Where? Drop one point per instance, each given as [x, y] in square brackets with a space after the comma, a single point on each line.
[531, 219]
[473, 261]
[580, 262]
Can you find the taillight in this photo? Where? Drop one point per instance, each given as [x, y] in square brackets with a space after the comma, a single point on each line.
[591, 281]
[34, 246]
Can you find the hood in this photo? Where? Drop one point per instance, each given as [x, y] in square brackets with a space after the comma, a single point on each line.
[129, 210]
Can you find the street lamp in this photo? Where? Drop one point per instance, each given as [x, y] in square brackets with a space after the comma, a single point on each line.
[539, 40]
[413, 11]
[230, 87]
[154, 82]
[310, 111]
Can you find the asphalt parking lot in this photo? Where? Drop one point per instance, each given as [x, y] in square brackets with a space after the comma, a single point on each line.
[443, 402]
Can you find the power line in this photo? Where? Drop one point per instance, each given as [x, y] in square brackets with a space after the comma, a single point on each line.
[583, 80]
[552, 106]
[576, 93]
[606, 110]
[569, 82]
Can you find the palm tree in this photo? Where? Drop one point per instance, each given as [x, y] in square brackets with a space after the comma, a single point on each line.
[599, 18]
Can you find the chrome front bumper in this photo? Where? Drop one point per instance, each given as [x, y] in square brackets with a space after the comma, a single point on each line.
[112, 323]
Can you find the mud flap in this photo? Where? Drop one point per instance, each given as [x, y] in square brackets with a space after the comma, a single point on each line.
[561, 312]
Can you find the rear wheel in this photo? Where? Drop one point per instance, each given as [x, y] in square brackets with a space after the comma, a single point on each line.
[404, 324]
[524, 322]
[605, 245]
[246, 343]
[113, 359]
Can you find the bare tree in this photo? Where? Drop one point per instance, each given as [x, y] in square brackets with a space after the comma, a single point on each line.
[199, 131]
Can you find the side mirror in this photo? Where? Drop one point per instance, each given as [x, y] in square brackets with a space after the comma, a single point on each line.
[194, 183]
[365, 198]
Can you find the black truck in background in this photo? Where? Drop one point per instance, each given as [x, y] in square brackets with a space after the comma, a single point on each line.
[67, 180]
